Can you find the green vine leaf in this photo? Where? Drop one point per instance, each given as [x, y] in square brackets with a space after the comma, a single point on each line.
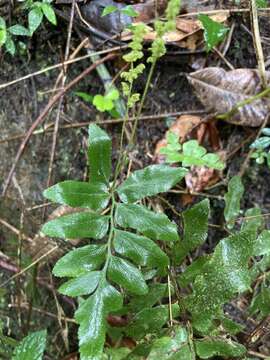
[31, 347]
[140, 249]
[214, 32]
[150, 181]
[79, 194]
[209, 347]
[80, 261]
[127, 275]
[154, 225]
[77, 225]
[91, 315]
[99, 155]
[232, 200]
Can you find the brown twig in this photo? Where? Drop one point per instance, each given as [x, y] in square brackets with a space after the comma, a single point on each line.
[41, 118]
[60, 65]
[257, 41]
[60, 104]
[48, 128]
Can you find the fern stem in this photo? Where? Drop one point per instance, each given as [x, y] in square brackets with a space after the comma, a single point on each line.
[149, 78]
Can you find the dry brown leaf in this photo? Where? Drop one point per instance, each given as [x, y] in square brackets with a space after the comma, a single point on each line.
[184, 125]
[198, 178]
[187, 25]
[188, 33]
[149, 9]
[220, 91]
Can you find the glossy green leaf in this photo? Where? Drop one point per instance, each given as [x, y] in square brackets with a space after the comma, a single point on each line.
[79, 194]
[195, 228]
[99, 154]
[262, 245]
[49, 13]
[209, 347]
[18, 30]
[80, 261]
[77, 225]
[150, 320]
[214, 32]
[126, 275]
[232, 200]
[172, 348]
[150, 181]
[225, 275]
[139, 249]
[154, 225]
[35, 17]
[109, 10]
[91, 316]
[31, 347]
[82, 285]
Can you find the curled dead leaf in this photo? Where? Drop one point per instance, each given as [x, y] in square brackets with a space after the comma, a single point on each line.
[220, 91]
[199, 178]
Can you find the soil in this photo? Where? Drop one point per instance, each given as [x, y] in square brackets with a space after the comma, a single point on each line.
[23, 206]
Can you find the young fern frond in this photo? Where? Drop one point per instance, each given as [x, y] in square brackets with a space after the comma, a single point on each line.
[108, 269]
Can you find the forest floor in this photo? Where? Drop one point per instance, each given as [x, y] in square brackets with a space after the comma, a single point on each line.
[31, 300]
